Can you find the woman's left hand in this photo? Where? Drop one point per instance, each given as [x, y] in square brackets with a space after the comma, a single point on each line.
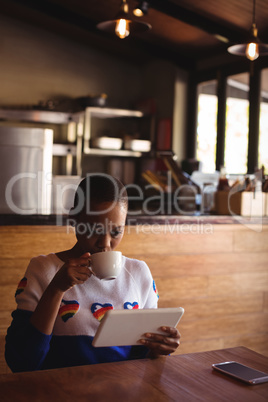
[162, 344]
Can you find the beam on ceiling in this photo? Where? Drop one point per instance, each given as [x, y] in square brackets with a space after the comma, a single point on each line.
[133, 48]
[215, 28]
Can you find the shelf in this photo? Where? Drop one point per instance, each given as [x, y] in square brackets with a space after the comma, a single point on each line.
[83, 129]
[112, 152]
[106, 113]
[64, 149]
[36, 116]
[54, 117]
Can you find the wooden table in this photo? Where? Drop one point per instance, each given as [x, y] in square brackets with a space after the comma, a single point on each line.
[173, 378]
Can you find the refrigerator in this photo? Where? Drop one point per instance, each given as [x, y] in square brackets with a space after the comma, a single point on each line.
[25, 170]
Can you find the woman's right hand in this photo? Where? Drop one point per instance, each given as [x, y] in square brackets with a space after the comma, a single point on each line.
[74, 272]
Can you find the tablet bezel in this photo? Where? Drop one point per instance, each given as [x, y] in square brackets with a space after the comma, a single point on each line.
[126, 327]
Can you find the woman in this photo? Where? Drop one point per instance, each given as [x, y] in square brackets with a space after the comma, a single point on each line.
[60, 302]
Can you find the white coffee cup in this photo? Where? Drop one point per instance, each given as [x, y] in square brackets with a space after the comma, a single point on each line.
[107, 264]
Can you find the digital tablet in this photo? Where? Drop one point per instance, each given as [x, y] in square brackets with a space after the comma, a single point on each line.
[126, 327]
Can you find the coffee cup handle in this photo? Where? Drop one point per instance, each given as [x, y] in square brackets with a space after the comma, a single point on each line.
[91, 270]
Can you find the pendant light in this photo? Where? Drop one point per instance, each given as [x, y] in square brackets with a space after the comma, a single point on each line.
[141, 9]
[123, 25]
[253, 48]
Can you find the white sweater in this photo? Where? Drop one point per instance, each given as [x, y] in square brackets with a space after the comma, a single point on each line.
[133, 288]
[79, 315]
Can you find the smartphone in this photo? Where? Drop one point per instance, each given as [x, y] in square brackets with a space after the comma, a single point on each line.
[241, 372]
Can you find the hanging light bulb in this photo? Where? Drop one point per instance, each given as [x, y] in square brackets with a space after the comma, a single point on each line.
[122, 22]
[253, 48]
[123, 25]
[141, 9]
[252, 51]
[122, 28]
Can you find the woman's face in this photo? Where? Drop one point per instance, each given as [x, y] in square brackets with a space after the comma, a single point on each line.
[101, 230]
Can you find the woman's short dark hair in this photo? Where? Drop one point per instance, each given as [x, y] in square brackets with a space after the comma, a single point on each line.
[97, 188]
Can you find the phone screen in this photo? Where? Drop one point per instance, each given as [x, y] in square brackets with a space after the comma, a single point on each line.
[242, 372]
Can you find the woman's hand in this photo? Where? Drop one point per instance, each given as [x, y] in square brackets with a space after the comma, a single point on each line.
[162, 344]
[74, 272]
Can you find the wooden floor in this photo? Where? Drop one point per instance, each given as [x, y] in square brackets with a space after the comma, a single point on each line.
[218, 273]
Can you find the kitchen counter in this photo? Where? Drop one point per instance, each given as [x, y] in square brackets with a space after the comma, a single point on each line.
[63, 220]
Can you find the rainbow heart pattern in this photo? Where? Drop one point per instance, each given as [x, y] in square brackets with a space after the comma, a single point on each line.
[98, 310]
[155, 289]
[69, 309]
[131, 306]
[21, 286]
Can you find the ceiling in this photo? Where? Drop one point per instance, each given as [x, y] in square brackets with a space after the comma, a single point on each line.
[184, 31]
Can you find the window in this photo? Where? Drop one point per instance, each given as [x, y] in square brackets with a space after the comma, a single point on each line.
[237, 118]
[263, 139]
[233, 152]
[207, 125]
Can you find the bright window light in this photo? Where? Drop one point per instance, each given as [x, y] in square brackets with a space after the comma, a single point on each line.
[207, 127]
[236, 136]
